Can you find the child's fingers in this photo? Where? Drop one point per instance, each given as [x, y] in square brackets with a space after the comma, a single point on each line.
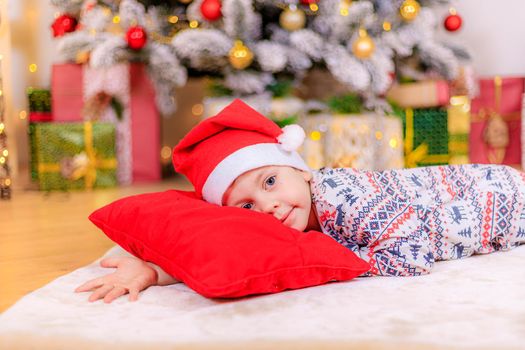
[89, 285]
[133, 294]
[100, 292]
[110, 262]
[116, 292]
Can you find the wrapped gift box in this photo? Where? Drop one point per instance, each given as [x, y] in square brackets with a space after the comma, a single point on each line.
[39, 101]
[39, 105]
[138, 131]
[426, 136]
[72, 156]
[421, 94]
[495, 130]
[363, 141]
[458, 129]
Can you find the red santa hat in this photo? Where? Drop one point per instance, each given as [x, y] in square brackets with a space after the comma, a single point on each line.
[238, 139]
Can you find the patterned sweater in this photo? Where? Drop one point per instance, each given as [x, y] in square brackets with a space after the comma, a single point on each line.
[404, 220]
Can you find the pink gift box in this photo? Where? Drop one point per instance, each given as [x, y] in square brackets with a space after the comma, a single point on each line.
[68, 101]
[482, 108]
[421, 94]
[66, 92]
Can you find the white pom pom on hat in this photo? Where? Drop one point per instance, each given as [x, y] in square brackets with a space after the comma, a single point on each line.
[238, 139]
[292, 137]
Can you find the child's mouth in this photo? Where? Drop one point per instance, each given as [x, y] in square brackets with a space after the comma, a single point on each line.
[287, 216]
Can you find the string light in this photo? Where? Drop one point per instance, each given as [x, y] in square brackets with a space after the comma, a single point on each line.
[197, 109]
[33, 67]
[116, 19]
[387, 26]
[22, 115]
[165, 153]
[315, 135]
[393, 143]
[5, 180]
[344, 6]
[314, 7]
[194, 24]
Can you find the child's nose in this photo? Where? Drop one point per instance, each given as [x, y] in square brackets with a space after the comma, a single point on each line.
[271, 206]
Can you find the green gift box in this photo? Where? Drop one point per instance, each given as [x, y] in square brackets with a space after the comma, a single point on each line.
[39, 100]
[426, 136]
[67, 156]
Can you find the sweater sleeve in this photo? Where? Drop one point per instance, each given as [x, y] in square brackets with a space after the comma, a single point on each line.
[382, 228]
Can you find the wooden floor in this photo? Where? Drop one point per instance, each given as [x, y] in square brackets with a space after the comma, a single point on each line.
[45, 236]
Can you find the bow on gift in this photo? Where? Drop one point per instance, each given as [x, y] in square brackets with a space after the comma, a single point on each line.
[420, 154]
[496, 131]
[83, 165]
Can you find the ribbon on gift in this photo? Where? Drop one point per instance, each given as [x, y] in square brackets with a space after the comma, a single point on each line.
[87, 168]
[496, 132]
[420, 153]
[458, 129]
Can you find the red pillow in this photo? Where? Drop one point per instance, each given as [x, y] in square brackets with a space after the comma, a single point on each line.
[223, 251]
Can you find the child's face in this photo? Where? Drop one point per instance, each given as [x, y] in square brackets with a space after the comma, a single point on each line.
[281, 191]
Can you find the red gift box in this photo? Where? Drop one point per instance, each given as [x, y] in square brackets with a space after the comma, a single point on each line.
[69, 95]
[495, 130]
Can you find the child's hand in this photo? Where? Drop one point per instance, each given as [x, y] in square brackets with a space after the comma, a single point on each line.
[132, 276]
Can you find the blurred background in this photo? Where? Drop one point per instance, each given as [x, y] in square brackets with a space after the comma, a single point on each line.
[376, 84]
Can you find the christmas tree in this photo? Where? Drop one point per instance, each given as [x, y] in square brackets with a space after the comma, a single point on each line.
[252, 45]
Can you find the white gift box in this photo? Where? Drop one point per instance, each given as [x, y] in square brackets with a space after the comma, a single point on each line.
[363, 141]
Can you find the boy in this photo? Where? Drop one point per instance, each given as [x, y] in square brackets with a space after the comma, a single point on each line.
[400, 221]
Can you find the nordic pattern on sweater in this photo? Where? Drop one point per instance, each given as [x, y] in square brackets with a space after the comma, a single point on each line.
[402, 221]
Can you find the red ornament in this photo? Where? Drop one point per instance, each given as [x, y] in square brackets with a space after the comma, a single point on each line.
[211, 9]
[452, 22]
[64, 24]
[136, 37]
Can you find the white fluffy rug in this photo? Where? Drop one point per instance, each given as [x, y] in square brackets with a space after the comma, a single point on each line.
[478, 302]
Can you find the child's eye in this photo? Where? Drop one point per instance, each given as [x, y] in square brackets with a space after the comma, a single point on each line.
[247, 206]
[270, 181]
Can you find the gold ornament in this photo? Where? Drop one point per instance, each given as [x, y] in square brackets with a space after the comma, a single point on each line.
[292, 18]
[409, 9]
[363, 47]
[82, 57]
[240, 56]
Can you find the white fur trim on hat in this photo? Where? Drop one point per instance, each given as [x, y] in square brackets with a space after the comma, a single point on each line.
[243, 160]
